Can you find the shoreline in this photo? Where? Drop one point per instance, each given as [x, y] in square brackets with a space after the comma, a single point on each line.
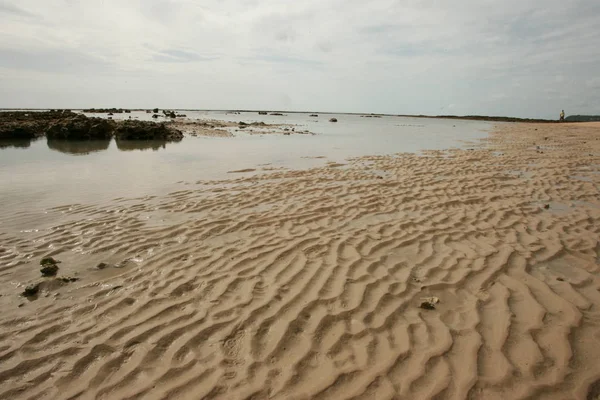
[307, 283]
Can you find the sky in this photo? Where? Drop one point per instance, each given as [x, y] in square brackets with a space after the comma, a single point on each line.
[523, 58]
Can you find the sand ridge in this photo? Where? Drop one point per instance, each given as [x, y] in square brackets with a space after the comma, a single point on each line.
[307, 284]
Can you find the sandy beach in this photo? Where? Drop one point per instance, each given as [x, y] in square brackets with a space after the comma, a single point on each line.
[459, 274]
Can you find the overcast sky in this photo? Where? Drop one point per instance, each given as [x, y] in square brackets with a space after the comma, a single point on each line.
[528, 58]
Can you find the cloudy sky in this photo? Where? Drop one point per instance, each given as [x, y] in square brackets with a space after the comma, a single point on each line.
[527, 58]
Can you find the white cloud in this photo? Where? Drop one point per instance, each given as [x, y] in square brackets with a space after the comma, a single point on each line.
[523, 58]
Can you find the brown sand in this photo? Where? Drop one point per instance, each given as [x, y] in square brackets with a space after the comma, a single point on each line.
[307, 284]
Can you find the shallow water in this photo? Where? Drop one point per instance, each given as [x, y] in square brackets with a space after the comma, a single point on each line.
[44, 173]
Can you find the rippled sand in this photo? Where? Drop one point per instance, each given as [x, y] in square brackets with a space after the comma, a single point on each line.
[308, 284]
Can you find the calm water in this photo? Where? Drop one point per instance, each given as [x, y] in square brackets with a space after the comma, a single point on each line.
[42, 174]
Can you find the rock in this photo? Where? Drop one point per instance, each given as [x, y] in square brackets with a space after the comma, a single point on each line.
[80, 127]
[242, 123]
[49, 270]
[314, 115]
[31, 290]
[262, 113]
[68, 279]
[155, 111]
[148, 111]
[155, 116]
[429, 303]
[276, 114]
[146, 130]
[110, 113]
[547, 206]
[287, 133]
[102, 266]
[49, 261]
[333, 120]
[560, 279]
[28, 125]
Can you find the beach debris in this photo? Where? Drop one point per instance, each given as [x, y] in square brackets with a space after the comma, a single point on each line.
[68, 279]
[31, 290]
[49, 270]
[49, 261]
[49, 266]
[103, 265]
[333, 120]
[428, 303]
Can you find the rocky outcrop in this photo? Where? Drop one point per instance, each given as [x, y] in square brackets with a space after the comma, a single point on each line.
[106, 110]
[28, 125]
[80, 127]
[67, 126]
[145, 130]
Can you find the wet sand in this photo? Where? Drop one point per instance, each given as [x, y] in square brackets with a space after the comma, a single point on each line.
[309, 284]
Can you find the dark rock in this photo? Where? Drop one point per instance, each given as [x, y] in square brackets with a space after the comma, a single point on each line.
[49, 270]
[314, 115]
[31, 290]
[80, 127]
[262, 113]
[333, 120]
[49, 261]
[155, 116]
[242, 123]
[547, 206]
[28, 125]
[287, 133]
[102, 266]
[560, 279]
[146, 130]
[427, 305]
[155, 111]
[67, 279]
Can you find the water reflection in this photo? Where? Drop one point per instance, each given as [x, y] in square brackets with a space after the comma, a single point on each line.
[131, 145]
[80, 147]
[16, 143]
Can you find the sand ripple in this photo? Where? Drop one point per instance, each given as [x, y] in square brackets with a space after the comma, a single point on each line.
[307, 284]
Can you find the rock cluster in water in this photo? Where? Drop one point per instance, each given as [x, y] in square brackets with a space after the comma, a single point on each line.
[66, 125]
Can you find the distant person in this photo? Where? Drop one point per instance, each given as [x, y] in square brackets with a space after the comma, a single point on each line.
[562, 116]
